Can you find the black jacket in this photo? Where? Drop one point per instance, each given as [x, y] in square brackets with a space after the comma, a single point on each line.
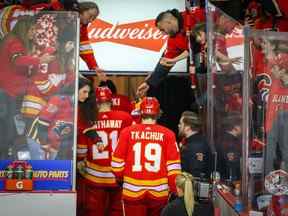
[196, 156]
[177, 208]
[229, 153]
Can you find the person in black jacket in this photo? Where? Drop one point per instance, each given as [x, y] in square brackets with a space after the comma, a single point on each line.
[184, 204]
[229, 147]
[195, 152]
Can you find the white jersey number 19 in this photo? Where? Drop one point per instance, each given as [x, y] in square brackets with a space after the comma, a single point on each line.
[152, 156]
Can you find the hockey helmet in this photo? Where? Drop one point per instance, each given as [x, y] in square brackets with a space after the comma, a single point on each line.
[150, 106]
[103, 94]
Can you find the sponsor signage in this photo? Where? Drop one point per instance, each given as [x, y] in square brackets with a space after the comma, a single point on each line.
[124, 36]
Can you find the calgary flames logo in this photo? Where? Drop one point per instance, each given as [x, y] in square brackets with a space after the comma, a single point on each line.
[142, 34]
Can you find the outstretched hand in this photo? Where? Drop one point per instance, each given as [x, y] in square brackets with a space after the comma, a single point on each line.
[168, 62]
[101, 74]
[142, 90]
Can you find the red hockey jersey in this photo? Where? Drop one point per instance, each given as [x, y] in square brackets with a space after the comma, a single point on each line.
[261, 71]
[45, 82]
[121, 102]
[178, 44]
[278, 100]
[86, 51]
[15, 64]
[58, 116]
[98, 164]
[148, 160]
[82, 139]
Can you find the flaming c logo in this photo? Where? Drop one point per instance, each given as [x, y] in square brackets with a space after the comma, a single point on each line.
[142, 34]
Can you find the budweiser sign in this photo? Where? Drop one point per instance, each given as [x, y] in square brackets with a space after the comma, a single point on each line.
[236, 38]
[141, 34]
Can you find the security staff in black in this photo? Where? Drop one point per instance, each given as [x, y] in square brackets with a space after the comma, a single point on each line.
[229, 146]
[195, 152]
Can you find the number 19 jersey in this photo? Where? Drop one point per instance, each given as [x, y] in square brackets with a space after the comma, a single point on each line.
[148, 160]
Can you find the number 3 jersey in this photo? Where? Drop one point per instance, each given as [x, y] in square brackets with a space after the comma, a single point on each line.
[98, 164]
[148, 160]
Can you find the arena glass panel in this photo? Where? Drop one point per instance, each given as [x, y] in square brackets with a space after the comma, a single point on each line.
[225, 98]
[38, 82]
[265, 114]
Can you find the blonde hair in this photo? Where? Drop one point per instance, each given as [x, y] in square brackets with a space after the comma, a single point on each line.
[184, 181]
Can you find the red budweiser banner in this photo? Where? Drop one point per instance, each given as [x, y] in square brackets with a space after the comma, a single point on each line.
[125, 38]
[141, 34]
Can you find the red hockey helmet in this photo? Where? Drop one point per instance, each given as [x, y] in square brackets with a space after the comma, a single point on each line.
[103, 94]
[150, 106]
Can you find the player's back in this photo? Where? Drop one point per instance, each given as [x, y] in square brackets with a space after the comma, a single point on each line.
[151, 156]
[150, 142]
[121, 103]
[108, 127]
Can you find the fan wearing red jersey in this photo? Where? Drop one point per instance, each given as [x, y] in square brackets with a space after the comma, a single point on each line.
[147, 160]
[103, 195]
[277, 113]
[53, 130]
[88, 13]
[174, 24]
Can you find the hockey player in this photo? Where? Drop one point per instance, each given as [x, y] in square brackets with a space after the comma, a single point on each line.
[103, 195]
[147, 160]
[119, 101]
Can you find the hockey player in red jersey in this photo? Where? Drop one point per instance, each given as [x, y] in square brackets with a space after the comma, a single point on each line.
[103, 195]
[119, 101]
[147, 160]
